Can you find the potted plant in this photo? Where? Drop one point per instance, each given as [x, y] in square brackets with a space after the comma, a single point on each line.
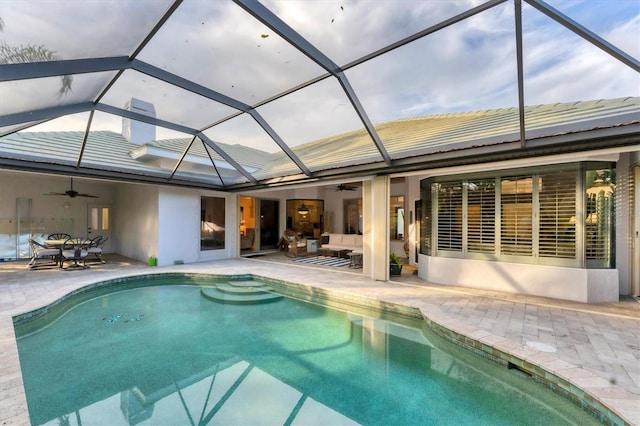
[395, 265]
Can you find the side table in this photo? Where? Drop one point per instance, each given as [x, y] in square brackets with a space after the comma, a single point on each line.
[355, 259]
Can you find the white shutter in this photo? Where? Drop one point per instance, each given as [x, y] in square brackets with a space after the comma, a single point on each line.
[481, 216]
[557, 235]
[450, 216]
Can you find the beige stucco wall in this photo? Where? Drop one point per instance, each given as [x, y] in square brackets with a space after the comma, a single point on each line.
[581, 285]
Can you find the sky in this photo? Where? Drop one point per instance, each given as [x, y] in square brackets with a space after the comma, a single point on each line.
[464, 67]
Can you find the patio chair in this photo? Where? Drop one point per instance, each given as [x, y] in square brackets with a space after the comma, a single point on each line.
[95, 248]
[297, 246]
[59, 236]
[75, 252]
[41, 252]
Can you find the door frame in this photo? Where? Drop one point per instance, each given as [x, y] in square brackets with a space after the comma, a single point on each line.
[108, 245]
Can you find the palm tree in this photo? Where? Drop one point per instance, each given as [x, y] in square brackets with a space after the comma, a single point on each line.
[31, 53]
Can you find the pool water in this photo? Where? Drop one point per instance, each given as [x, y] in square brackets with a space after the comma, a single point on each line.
[166, 355]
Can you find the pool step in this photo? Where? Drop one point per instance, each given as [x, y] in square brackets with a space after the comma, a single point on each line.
[240, 293]
[246, 290]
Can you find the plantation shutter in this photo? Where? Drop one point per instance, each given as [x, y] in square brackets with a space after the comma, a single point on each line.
[481, 215]
[517, 215]
[557, 235]
[450, 216]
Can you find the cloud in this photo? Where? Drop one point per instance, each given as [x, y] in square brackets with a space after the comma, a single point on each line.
[467, 66]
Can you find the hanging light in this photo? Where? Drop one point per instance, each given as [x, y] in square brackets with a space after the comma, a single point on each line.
[303, 210]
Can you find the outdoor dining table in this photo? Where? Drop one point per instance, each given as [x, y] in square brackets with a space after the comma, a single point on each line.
[82, 242]
[79, 244]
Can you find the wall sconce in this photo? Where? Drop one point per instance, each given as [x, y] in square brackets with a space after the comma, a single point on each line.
[66, 205]
[303, 210]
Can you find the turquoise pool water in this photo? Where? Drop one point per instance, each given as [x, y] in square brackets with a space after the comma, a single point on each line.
[166, 355]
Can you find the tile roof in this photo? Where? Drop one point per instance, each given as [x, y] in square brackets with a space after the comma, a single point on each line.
[402, 138]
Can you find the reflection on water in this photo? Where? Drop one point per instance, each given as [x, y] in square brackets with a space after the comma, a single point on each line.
[166, 355]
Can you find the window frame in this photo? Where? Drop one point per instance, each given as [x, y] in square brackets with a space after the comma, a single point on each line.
[577, 205]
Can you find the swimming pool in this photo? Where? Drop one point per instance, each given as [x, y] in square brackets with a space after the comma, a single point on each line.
[162, 352]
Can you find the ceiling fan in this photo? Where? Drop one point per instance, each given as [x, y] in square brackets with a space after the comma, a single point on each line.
[71, 193]
[343, 187]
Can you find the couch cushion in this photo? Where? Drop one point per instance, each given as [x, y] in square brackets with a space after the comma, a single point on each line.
[335, 239]
[349, 240]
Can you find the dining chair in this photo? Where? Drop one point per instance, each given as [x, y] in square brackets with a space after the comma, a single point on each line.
[59, 236]
[73, 251]
[39, 251]
[95, 248]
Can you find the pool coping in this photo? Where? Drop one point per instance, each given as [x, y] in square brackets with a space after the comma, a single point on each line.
[580, 386]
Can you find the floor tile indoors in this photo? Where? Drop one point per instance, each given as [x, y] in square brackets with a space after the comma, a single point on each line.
[597, 347]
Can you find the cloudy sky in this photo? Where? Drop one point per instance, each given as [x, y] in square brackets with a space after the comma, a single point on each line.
[467, 66]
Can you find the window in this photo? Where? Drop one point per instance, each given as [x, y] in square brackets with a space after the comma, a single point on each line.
[449, 216]
[352, 216]
[599, 220]
[558, 215]
[396, 216]
[481, 215]
[212, 223]
[516, 204]
[529, 218]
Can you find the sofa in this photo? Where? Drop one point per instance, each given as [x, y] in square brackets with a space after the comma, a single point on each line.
[351, 242]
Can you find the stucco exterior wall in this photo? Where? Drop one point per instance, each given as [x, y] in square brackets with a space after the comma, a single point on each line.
[179, 226]
[580, 285]
[136, 221]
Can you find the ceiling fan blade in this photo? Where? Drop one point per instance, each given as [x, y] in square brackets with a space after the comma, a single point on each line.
[71, 193]
[343, 187]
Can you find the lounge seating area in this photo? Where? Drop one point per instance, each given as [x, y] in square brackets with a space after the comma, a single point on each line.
[340, 242]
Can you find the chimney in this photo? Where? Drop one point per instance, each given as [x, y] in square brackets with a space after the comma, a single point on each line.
[138, 132]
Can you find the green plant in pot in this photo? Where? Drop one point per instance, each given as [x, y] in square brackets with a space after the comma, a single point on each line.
[395, 265]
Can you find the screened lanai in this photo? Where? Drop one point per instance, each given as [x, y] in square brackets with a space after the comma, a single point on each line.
[235, 95]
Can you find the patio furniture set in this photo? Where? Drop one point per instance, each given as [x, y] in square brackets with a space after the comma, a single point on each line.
[60, 248]
[336, 245]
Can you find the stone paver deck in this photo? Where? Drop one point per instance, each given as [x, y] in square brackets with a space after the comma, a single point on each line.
[597, 346]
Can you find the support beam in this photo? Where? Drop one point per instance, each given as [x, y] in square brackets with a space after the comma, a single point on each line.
[520, 68]
[44, 114]
[166, 124]
[145, 119]
[583, 32]
[363, 117]
[29, 70]
[268, 18]
[267, 128]
[227, 158]
[189, 85]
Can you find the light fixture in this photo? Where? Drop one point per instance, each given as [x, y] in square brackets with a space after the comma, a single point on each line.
[303, 210]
